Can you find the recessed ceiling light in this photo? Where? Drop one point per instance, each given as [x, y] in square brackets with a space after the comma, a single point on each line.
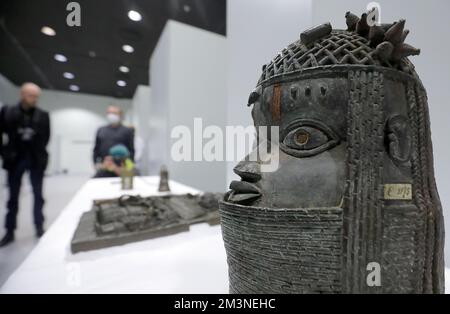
[128, 48]
[69, 75]
[187, 8]
[60, 58]
[121, 83]
[92, 54]
[124, 69]
[74, 88]
[47, 30]
[134, 15]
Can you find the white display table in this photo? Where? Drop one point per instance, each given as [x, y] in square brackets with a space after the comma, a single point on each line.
[189, 262]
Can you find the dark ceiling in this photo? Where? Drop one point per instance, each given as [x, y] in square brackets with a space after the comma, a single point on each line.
[94, 50]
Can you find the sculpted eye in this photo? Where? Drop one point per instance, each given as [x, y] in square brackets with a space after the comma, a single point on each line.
[308, 138]
[305, 138]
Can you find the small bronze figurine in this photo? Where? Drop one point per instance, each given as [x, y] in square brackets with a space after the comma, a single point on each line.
[354, 197]
[127, 179]
[164, 180]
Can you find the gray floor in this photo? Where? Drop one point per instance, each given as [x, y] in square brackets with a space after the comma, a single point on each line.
[59, 190]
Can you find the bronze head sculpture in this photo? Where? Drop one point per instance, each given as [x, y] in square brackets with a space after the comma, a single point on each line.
[355, 185]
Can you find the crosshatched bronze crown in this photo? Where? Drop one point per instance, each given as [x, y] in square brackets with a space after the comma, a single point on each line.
[361, 44]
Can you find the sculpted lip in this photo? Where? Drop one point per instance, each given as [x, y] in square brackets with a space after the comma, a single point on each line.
[242, 198]
[243, 191]
[244, 187]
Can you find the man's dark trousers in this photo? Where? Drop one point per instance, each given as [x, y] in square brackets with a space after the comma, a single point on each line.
[15, 174]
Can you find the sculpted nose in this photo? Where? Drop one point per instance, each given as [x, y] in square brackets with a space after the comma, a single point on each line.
[248, 170]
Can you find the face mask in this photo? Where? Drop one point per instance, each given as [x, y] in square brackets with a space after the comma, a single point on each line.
[113, 118]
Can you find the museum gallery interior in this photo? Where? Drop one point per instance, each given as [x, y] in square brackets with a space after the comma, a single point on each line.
[224, 147]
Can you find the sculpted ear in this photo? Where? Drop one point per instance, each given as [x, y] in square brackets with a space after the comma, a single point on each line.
[398, 139]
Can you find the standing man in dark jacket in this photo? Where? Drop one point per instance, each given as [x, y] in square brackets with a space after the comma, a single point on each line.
[24, 135]
[115, 133]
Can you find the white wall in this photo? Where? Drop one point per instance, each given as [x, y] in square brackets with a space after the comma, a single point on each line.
[188, 79]
[140, 119]
[8, 92]
[429, 25]
[160, 64]
[8, 96]
[257, 31]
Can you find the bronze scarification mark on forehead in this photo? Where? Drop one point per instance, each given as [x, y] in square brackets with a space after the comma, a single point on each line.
[276, 103]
